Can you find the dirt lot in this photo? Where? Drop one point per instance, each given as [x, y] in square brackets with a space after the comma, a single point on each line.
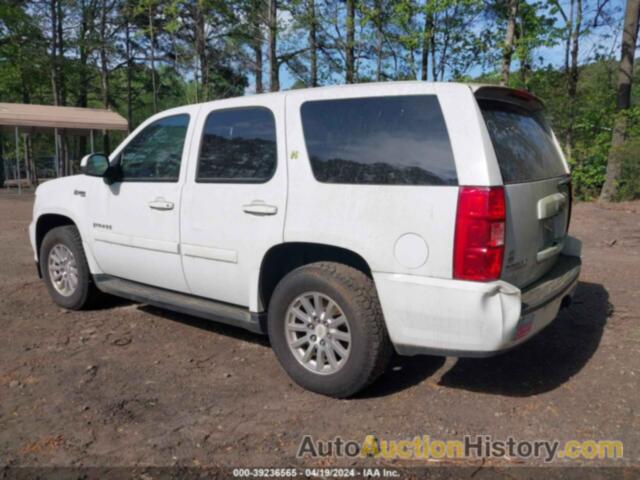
[133, 385]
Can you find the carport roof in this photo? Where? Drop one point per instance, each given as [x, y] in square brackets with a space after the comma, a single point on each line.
[46, 116]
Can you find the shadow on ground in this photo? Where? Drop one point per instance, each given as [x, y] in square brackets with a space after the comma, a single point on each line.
[208, 325]
[545, 362]
[106, 302]
[403, 372]
[541, 364]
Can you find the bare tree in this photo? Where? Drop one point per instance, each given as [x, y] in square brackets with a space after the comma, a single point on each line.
[56, 16]
[274, 65]
[106, 31]
[427, 38]
[623, 102]
[350, 44]
[152, 51]
[85, 48]
[509, 42]
[257, 42]
[201, 48]
[313, 43]
[128, 52]
[57, 75]
[572, 79]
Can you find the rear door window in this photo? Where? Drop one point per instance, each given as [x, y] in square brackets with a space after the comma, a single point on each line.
[523, 143]
[399, 140]
[238, 146]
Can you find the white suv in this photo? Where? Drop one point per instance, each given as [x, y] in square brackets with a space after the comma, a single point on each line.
[346, 222]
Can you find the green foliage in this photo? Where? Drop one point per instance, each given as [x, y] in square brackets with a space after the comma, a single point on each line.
[199, 50]
[629, 185]
[595, 115]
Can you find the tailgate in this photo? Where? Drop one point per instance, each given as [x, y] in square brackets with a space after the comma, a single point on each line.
[537, 217]
[536, 183]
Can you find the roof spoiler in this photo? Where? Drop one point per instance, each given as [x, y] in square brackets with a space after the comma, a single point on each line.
[521, 98]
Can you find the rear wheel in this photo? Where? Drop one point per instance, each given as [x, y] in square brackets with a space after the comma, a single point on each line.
[327, 330]
[65, 270]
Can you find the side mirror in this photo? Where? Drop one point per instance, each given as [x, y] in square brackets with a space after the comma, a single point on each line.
[94, 164]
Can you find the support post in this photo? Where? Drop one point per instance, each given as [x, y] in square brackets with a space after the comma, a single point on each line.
[57, 155]
[18, 161]
[91, 137]
[7, 170]
[65, 150]
[27, 166]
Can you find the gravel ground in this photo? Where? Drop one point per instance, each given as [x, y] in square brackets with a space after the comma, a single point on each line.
[128, 384]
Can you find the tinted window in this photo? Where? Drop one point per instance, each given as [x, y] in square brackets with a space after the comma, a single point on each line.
[523, 143]
[382, 140]
[156, 152]
[238, 145]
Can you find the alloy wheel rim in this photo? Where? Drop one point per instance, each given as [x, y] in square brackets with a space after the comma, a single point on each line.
[63, 270]
[318, 333]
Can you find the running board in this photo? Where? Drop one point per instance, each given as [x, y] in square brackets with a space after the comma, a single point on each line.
[181, 302]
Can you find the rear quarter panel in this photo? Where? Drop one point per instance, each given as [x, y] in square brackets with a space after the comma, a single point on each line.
[372, 219]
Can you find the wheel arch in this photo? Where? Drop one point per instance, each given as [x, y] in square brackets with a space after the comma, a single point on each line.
[51, 219]
[283, 258]
[47, 222]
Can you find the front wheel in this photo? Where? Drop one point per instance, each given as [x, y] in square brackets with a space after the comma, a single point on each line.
[65, 270]
[327, 330]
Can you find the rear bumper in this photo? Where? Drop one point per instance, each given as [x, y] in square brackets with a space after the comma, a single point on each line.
[471, 319]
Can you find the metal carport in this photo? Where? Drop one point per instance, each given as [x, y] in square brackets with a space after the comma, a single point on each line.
[30, 117]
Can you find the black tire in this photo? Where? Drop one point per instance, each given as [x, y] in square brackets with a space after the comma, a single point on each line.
[355, 294]
[85, 293]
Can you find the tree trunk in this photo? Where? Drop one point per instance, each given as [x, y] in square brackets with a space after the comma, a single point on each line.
[524, 57]
[127, 37]
[152, 49]
[432, 45]
[313, 44]
[55, 81]
[257, 13]
[104, 68]
[426, 40]
[201, 51]
[567, 48]
[440, 66]
[60, 42]
[349, 54]
[623, 102]
[57, 52]
[24, 77]
[83, 55]
[572, 83]
[379, 24]
[86, 25]
[509, 42]
[257, 72]
[274, 66]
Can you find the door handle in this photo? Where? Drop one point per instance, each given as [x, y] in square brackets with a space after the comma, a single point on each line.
[256, 208]
[161, 204]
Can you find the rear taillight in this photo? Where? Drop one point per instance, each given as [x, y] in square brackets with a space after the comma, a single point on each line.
[479, 237]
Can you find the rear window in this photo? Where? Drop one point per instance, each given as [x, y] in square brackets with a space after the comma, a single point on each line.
[523, 143]
[399, 140]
